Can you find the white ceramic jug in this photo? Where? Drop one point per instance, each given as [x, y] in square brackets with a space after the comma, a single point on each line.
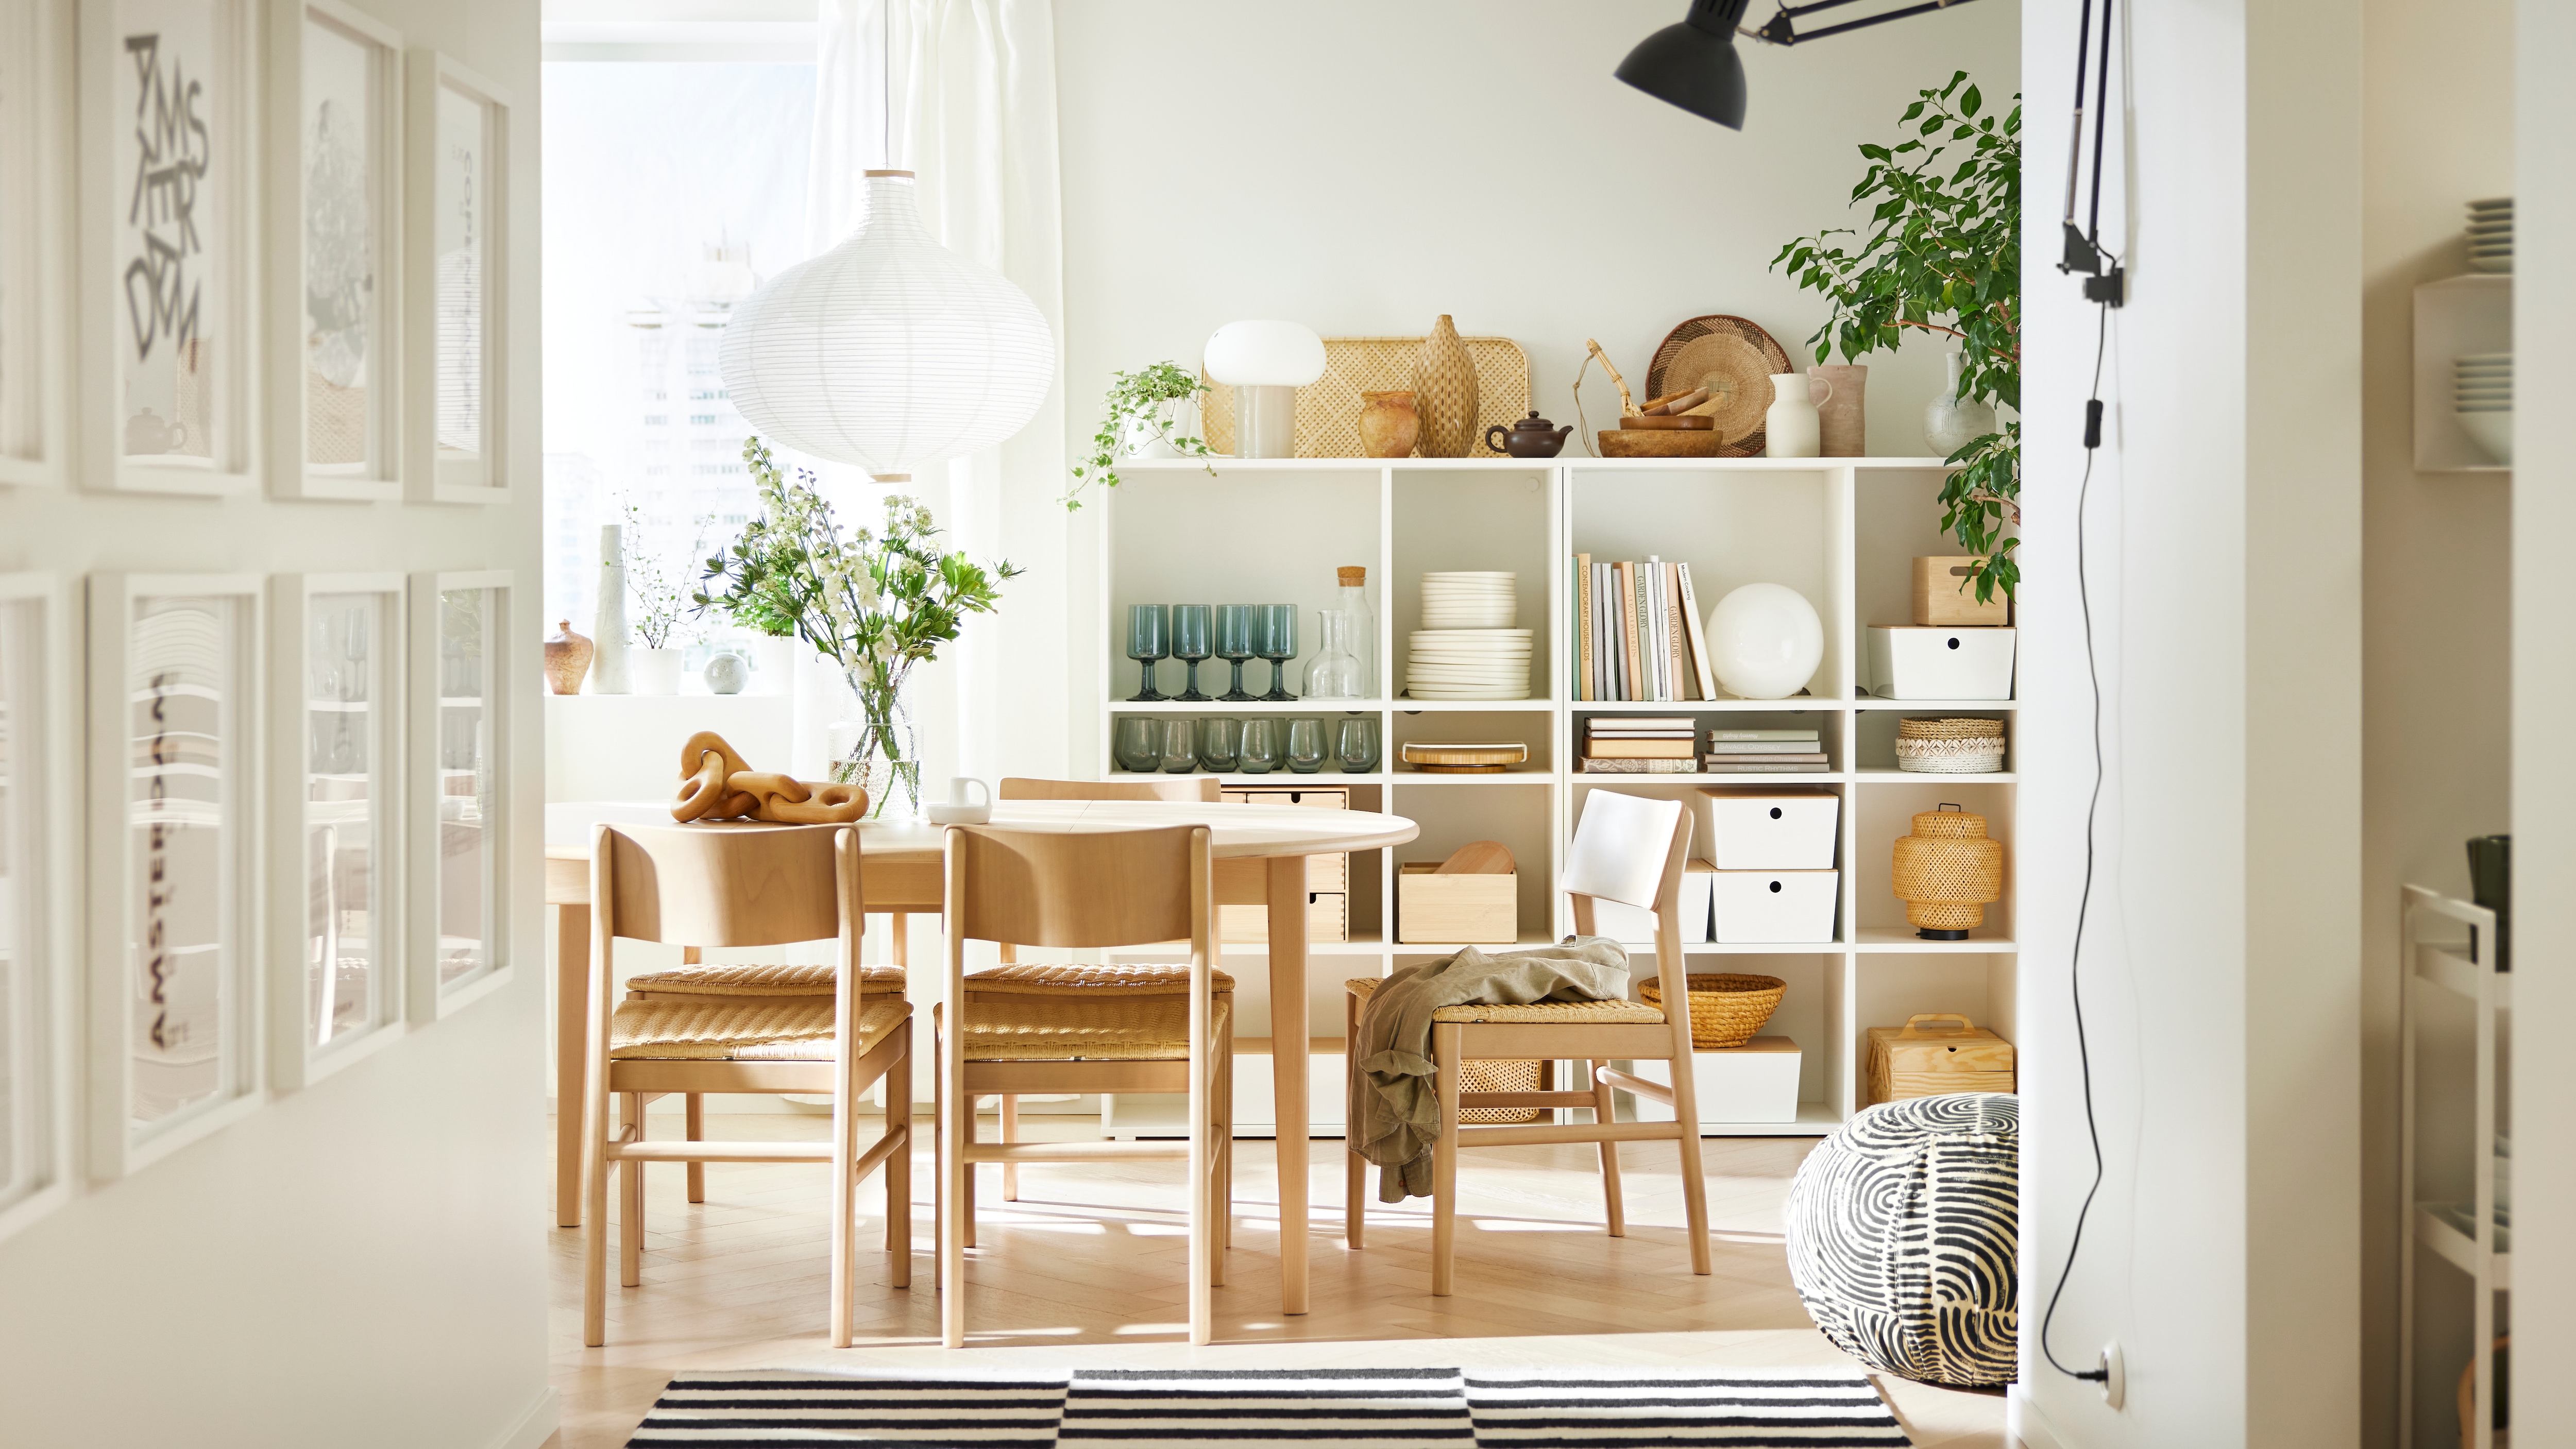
[961, 807]
[1791, 429]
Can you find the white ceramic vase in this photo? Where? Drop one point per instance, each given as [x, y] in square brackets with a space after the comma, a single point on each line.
[773, 665]
[608, 631]
[725, 673]
[1950, 424]
[653, 671]
[1792, 429]
[1765, 641]
[1139, 437]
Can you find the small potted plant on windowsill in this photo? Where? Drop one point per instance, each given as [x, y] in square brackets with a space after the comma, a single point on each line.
[655, 593]
[1149, 413]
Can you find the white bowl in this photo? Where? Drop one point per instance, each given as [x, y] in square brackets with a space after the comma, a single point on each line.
[2492, 431]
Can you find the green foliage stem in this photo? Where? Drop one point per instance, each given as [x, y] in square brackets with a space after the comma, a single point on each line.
[1137, 397]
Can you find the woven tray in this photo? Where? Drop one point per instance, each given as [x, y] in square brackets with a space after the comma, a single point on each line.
[1328, 409]
[1726, 1010]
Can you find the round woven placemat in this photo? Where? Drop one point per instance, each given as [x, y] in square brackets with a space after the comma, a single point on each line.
[1735, 360]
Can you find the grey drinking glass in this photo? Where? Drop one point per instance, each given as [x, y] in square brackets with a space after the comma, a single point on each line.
[1148, 642]
[1139, 747]
[1190, 644]
[1220, 744]
[1357, 746]
[1278, 644]
[1236, 633]
[1305, 746]
[1180, 747]
[1262, 746]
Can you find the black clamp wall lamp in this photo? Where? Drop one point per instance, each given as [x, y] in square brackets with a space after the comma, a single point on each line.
[1693, 64]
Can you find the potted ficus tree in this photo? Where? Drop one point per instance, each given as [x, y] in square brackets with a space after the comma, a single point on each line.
[1942, 256]
[1148, 413]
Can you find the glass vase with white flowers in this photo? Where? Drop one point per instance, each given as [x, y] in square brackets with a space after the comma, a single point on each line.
[874, 602]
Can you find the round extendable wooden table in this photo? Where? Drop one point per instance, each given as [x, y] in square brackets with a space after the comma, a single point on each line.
[1260, 854]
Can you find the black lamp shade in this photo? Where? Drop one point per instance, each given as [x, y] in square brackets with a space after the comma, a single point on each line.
[1693, 64]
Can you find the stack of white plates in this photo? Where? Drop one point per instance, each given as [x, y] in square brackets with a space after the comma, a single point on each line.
[2491, 235]
[2482, 395]
[1469, 664]
[1470, 601]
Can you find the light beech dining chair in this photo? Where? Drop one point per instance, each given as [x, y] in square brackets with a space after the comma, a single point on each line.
[738, 886]
[1080, 1027]
[1628, 849]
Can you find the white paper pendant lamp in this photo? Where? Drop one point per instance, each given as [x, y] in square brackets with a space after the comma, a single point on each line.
[889, 351]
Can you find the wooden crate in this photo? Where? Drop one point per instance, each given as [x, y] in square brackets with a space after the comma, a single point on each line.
[1323, 872]
[1438, 909]
[1939, 602]
[1328, 918]
[1925, 1059]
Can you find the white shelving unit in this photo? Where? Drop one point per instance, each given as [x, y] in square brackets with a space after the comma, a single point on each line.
[1843, 531]
[2455, 1020]
[2455, 317]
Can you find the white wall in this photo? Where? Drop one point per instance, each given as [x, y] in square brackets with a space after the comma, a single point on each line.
[2220, 968]
[362, 1260]
[1363, 168]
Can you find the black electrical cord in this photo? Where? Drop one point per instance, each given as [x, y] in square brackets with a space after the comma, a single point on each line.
[2092, 810]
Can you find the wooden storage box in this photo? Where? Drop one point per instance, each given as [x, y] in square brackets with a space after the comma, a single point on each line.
[1926, 1058]
[1438, 909]
[1939, 602]
[1323, 872]
[1328, 918]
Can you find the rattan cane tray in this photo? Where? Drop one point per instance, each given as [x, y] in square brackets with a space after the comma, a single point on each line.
[1328, 409]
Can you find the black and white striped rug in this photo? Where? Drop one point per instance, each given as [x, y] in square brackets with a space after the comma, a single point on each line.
[1436, 1408]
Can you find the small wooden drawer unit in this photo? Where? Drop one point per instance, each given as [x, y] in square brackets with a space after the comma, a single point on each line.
[1324, 873]
[1328, 918]
[1435, 909]
[1933, 1054]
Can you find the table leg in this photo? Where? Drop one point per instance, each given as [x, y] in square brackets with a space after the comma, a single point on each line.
[572, 1050]
[1288, 1036]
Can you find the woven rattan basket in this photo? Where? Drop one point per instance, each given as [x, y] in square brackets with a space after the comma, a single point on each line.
[1726, 1010]
[1915, 727]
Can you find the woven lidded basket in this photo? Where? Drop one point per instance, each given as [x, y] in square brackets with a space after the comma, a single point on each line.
[1977, 755]
[1924, 728]
[1726, 1010]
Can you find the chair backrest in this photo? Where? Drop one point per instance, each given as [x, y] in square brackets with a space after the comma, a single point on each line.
[1185, 788]
[1623, 845]
[1069, 890]
[723, 885]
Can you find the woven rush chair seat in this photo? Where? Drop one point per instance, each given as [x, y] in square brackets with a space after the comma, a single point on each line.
[1084, 978]
[762, 981]
[1587, 1013]
[1111, 1028]
[743, 1031]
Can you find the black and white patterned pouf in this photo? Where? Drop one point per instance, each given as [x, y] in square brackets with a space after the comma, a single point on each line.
[1903, 1237]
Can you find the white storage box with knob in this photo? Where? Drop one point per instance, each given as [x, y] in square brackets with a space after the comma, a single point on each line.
[1917, 663]
[1785, 907]
[1774, 829]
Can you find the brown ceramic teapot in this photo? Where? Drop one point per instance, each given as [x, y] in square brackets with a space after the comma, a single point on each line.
[1531, 437]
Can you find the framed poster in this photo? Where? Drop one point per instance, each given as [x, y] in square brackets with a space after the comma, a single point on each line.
[335, 172]
[336, 882]
[460, 134]
[170, 184]
[461, 625]
[175, 721]
[39, 819]
[35, 210]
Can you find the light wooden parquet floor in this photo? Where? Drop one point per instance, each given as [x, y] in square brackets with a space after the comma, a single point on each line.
[1085, 1270]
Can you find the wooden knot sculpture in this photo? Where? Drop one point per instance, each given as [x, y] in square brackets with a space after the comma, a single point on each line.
[718, 784]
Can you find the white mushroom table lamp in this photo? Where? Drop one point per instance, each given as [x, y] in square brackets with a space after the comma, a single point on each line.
[1265, 363]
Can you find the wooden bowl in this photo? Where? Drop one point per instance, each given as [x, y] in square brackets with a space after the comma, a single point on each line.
[1682, 423]
[1662, 443]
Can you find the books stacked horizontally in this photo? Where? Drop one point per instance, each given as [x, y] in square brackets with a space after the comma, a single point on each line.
[1639, 745]
[1637, 633]
[1763, 752]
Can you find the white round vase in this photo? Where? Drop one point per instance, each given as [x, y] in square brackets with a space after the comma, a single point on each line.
[654, 671]
[1765, 641]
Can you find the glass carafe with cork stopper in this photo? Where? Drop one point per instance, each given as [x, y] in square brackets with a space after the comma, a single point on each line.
[1361, 630]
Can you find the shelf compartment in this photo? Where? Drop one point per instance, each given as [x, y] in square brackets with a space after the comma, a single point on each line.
[2455, 317]
[1901, 939]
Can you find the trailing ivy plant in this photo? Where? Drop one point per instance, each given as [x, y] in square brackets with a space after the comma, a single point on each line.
[1943, 256]
[1137, 397]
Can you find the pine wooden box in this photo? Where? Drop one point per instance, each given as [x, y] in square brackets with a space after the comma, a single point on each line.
[1328, 917]
[1438, 909]
[1323, 872]
[1940, 602]
[1925, 1059]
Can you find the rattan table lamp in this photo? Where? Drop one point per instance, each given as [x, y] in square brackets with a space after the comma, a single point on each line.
[1946, 871]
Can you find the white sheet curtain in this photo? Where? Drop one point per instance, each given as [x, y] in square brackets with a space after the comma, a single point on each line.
[972, 112]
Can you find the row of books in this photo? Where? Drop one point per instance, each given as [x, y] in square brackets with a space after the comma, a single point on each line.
[1638, 632]
[1642, 745]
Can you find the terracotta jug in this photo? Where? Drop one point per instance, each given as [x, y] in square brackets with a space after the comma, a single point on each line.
[1389, 426]
[1444, 387]
[567, 659]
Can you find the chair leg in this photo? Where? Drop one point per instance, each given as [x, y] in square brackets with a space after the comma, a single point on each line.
[973, 1130]
[1354, 1166]
[1225, 1155]
[938, 1160]
[1448, 1040]
[1604, 1110]
[956, 1118]
[898, 1164]
[1210, 1182]
[696, 1131]
[844, 1234]
[1010, 1133]
[1694, 1178]
[630, 1227]
[594, 1233]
